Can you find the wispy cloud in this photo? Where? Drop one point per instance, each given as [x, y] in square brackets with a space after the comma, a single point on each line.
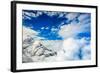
[53, 29]
[31, 14]
[50, 13]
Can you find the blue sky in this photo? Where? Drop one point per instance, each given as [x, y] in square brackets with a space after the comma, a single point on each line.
[58, 25]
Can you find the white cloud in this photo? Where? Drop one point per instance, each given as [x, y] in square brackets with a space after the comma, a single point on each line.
[85, 21]
[26, 17]
[82, 17]
[71, 16]
[68, 49]
[68, 30]
[61, 15]
[46, 27]
[86, 52]
[71, 30]
[29, 33]
[31, 14]
[54, 29]
[28, 36]
[26, 13]
[73, 46]
[50, 13]
[42, 28]
[56, 46]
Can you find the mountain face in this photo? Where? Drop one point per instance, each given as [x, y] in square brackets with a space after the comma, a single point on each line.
[34, 50]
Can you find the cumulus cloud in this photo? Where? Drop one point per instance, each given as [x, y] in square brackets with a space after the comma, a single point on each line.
[69, 49]
[71, 30]
[73, 46]
[74, 27]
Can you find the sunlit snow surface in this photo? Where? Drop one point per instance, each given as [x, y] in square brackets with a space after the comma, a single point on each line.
[55, 36]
